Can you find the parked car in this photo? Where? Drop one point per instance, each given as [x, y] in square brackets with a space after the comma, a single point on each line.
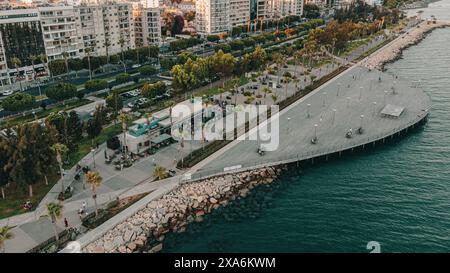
[142, 101]
[7, 92]
[135, 66]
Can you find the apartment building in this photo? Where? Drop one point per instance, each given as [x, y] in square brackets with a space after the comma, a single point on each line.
[239, 12]
[147, 25]
[59, 30]
[273, 9]
[118, 26]
[21, 35]
[212, 16]
[90, 28]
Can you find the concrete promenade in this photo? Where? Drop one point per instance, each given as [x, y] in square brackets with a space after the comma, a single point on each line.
[352, 100]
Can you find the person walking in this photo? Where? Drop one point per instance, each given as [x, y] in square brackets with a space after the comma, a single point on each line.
[66, 223]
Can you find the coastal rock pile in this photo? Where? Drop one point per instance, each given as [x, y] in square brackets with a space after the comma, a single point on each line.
[175, 210]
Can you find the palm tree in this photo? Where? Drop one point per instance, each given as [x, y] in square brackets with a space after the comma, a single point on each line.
[43, 59]
[107, 44]
[66, 62]
[122, 43]
[5, 234]
[279, 60]
[54, 211]
[17, 62]
[160, 173]
[94, 180]
[32, 60]
[123, 118]
[297, 57]
[60, 150]
[287, 80]
[88, 54]
[170, 104]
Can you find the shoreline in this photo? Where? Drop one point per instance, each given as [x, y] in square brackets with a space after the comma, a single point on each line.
[145, 230]
[394, 50]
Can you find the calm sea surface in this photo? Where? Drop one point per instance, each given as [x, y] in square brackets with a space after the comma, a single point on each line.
[397, 195]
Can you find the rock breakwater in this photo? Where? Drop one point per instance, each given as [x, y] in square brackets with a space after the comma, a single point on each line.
[145, 231]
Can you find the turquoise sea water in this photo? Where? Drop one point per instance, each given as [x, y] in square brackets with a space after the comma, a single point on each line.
[397, 195]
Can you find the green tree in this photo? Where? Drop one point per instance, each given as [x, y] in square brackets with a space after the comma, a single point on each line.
[5, 235]
[94, 180]
[96, 85]
[5, 157]
[61, 91]
[123, 78]
[54, 211]
[60, 150]
[160, 173]
[180, 78]
[17, 62]
[75, 65]
[114, 102]
[147, 70]
[57, 67]
[19, 102]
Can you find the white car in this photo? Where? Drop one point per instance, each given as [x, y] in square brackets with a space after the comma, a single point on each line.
[135, 66]
[7, 92]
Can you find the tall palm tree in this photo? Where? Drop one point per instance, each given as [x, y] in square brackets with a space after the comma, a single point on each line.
[54, 211]
[5, 234]
[88, 54]
[33, 58]
[43, 60]
[60, 150]
[94, 180]
[107, 44]
[287, 80]
[160, 173]
[122, 43]
[279, 59]
[66, 62]
[123, 118]
[170, 104]
[17, 62]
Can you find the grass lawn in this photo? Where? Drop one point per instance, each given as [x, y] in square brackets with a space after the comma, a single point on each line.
[42, 114]
[218, 89]
[84, 147]
[15, 198]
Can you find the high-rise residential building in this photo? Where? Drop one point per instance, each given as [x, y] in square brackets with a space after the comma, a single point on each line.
[273, 9]
[59, 30]
[212, 16]
[119, 27]
[239, 12]
[106, 28]
[91, 29]
[21, 35]
[147, 24]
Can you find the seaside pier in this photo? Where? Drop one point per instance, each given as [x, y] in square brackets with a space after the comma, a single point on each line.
[358, 108]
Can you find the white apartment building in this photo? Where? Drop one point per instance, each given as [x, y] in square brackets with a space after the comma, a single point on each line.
[119, 27]
[212, 16]
[272, 9]
[147, 25]
[239, 12]
[91, 29]
[59, 30]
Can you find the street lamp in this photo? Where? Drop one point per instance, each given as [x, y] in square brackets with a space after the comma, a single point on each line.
[93, 156]
[287, 129]
[360, 92]
[361, 117]
[308, 106]
[334, 116]
[324, 97]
